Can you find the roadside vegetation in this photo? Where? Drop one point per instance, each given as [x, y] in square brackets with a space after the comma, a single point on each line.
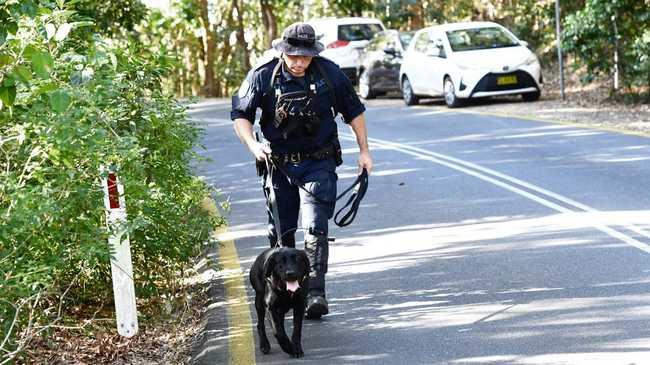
[87, 82]
[75, 96]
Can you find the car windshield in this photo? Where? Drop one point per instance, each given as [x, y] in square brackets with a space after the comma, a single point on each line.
[405, 38]
[358, 32]
[479, 38]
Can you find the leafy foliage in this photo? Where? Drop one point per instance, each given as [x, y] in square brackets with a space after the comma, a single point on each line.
[239, 40]
[111, 17]
[594, 33]
[70, 103]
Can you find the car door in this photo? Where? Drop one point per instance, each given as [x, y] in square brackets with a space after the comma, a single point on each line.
[386, 62]
[391, 62]
[432, 63]
[376, 68]
[438, 63]
[417, 65]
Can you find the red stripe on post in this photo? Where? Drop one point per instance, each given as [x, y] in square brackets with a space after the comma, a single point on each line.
[113, 195]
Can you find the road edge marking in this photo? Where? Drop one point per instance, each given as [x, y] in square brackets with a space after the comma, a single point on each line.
[561, 122]
[241, 344]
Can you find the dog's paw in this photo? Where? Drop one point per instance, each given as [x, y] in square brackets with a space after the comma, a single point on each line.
[297, 351]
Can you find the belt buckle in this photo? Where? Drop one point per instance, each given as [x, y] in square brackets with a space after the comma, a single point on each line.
[294, 158]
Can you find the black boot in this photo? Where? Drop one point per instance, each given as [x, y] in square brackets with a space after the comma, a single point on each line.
[316, 246]
[316, 306]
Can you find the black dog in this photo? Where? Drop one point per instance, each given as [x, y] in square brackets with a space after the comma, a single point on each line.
[280, 278]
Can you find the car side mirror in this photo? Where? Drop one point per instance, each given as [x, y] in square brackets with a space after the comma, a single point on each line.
[437, 51]
[391, 51]
[524, 43]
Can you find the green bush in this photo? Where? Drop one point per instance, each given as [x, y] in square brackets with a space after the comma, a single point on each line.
[593, 34]
[70, 103]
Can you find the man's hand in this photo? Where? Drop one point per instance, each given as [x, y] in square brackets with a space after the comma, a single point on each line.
[244, 130]
[365, 162]
[260, 150]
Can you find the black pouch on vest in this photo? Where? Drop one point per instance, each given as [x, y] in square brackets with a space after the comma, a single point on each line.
[290, 105]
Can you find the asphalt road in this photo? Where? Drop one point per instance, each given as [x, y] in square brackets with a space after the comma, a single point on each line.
[481, 240]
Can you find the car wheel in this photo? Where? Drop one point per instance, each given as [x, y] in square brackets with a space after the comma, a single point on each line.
[451, 99]
[407, 93]
[365, 90]
[534, 96]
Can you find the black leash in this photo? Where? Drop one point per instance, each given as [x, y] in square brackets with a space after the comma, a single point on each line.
[271, 199]
[360, 187]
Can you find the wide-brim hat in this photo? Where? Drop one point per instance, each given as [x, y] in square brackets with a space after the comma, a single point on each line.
[298, 39]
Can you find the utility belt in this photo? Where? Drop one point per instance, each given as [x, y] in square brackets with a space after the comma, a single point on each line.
[332, 150]
[329, 151]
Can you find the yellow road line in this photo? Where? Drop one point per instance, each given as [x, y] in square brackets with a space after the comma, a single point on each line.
[240, 333]
[555, 121]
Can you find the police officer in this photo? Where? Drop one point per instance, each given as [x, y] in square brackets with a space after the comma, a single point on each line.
[300, 95]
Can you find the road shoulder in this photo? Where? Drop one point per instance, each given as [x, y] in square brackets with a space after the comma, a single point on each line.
[227, 336]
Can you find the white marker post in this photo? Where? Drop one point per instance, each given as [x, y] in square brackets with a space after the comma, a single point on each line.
[126, 312]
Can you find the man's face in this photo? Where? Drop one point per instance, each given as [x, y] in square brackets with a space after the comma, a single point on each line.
[297, 64]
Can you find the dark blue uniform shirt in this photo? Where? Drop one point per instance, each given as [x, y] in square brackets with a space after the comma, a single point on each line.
[257, 92]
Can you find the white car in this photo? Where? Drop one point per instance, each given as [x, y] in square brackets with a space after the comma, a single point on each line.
[468, 60]
[344, 40]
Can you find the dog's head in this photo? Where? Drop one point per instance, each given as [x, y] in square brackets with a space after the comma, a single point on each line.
[287, 268]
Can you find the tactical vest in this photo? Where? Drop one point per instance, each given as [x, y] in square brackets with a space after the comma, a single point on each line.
[294, 112]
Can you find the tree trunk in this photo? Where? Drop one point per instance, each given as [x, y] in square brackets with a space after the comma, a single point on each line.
[270, 22]
[417, 21]
[209, 89]
[241, 40]
[265, 21]
[188, 69]
[196, 71]
[226, 50]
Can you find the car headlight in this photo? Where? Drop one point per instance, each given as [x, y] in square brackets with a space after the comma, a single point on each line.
[531, 60]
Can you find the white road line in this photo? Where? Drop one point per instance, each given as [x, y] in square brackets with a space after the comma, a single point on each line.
[525, 184]
[430, 112]
[483, 174]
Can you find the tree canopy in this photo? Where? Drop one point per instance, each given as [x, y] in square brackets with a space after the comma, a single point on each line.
[221, 39]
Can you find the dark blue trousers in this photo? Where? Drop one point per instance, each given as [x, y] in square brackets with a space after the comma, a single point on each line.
[314, 208]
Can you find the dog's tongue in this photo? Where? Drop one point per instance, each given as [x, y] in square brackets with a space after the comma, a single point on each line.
[292, 286]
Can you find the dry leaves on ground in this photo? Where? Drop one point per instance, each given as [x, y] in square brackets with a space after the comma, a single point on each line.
[162, 339]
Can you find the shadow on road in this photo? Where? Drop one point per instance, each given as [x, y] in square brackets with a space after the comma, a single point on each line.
[433, 272]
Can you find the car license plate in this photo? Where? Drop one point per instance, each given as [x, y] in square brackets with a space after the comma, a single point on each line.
[507, 80]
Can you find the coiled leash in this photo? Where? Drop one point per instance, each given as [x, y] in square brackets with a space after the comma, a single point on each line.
[360, 186]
